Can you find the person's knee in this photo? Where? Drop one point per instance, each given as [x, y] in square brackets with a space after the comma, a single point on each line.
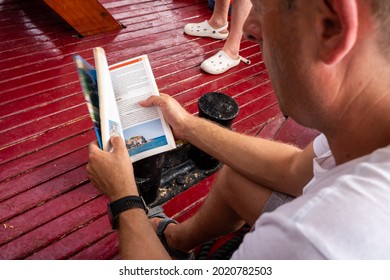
[244, 196]
[227, 180]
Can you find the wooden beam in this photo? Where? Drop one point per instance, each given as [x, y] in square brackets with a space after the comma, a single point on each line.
[87, 17]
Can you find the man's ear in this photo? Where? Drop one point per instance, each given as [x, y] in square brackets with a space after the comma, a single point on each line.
[338, 29]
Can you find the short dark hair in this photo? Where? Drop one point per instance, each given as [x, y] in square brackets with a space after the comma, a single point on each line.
[289, 3]
[381, 12]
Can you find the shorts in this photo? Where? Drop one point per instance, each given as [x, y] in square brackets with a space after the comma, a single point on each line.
[275, 200]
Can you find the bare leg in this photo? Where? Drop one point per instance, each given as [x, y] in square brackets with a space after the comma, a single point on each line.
[240, 12]
[222, 62]
[220, 14]
[232, 201]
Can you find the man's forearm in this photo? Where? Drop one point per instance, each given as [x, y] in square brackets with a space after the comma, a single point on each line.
[267, 162]
[137, 238]
[275, 165]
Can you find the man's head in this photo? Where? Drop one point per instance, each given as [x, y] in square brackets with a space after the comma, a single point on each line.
[315, 50]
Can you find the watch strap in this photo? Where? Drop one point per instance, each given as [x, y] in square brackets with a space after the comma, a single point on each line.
[123, 204]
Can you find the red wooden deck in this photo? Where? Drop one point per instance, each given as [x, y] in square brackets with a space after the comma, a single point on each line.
[48, 208]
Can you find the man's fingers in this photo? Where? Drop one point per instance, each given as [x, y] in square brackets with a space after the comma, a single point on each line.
[118, 144]
[147, 102]
[153, 101]
[94, 147]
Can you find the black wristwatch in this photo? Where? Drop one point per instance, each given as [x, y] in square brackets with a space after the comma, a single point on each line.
[123, 204]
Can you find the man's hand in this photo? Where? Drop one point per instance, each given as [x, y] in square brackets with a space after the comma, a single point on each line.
[173, 112]
[112, 172]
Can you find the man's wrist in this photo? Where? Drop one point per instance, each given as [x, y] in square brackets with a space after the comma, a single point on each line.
[117, 196]
[121, 193]
[121, 205]
[190, 130]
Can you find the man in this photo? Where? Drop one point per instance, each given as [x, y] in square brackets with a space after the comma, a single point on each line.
[329, 62]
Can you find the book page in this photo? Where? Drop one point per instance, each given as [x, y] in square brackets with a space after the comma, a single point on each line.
[109, 115]
[145, 131]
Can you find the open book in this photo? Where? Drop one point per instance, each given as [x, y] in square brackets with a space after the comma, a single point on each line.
[112, 94]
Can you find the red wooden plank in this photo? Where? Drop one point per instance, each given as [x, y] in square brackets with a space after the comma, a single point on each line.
[293, 133]
[46, 212]
[179, 203]
[32, 114]
[270, 129]
[105, 249]
[35, 77]
[244, 92]
[48, 154]
[145, 13]
[259, 105]
[8, 27]
[43, 92]
[198, 84]
[17, 10]
[6, 48]
[48, 123]
[47, 30]
[192, 58]
[251, 125]
[197, 78]
[156, 35]
[46, 172]
[77, 241]
[47, 139]
[53, 231]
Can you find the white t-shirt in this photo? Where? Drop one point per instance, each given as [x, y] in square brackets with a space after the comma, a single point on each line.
[344, 213]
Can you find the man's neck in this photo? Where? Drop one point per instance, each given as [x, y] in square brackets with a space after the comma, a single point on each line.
[362, 131]
[347, 149]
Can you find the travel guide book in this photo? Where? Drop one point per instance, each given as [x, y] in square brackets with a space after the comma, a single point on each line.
[112, 94]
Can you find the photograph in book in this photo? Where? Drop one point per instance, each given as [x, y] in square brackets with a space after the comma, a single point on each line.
[113, 93]
[88, 81]
[114, 128]
[144, 137]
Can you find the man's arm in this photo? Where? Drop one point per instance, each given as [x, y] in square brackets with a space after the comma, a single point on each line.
[112, 174]
[279, 166]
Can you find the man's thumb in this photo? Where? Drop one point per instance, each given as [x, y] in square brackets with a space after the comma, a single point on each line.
[117, 144]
